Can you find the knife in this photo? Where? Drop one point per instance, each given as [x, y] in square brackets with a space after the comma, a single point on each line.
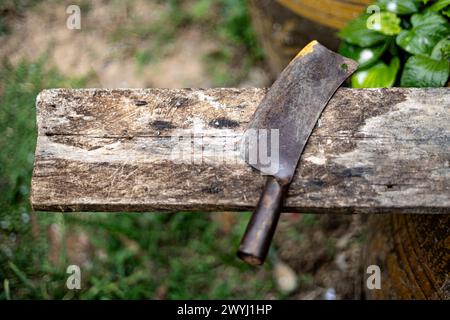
[278, 132]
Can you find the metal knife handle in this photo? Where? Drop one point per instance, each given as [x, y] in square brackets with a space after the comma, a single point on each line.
[258, 235]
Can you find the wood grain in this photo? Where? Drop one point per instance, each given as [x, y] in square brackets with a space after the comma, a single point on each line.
[413, 253]
[331, 13]
[373, 151]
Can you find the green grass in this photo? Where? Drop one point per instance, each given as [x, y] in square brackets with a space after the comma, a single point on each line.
[156, 35]
[235, 25]
[225, 20]
[146, 255]
[239, 49]
[21, 255]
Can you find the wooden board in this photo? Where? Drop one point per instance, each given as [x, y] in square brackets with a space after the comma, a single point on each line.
[373, 151]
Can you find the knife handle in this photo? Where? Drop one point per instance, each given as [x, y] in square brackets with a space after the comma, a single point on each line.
[258, 235]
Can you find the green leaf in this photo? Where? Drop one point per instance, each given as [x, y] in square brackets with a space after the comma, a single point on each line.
[441, 50]
[428, 29]
[443, 6]
[439, 5]
[377, 76]
[385, 22]
[364, 56]
[446, 11]
[357, 33]
[399, 6]
[421, 71]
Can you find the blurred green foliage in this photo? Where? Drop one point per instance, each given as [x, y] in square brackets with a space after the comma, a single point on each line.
[21, 256]
[226, 20]
[235, 30]
[400, 43]
[10, 8]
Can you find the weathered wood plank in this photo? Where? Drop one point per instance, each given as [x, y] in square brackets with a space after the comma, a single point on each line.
[373, 151]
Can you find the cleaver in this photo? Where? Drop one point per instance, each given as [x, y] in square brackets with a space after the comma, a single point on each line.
[278, 132]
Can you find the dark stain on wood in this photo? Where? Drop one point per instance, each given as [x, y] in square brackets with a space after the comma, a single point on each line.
[221, 123]
[355, 172]
[162, 125]
[178, 102]
[140, 103]
[214, 188]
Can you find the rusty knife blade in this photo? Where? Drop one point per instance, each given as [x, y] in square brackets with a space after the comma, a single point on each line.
[293, 105]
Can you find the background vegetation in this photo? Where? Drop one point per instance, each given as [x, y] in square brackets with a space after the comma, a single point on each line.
[400, 43]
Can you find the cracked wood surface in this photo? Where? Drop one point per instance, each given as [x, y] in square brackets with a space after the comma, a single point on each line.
[372, 151]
